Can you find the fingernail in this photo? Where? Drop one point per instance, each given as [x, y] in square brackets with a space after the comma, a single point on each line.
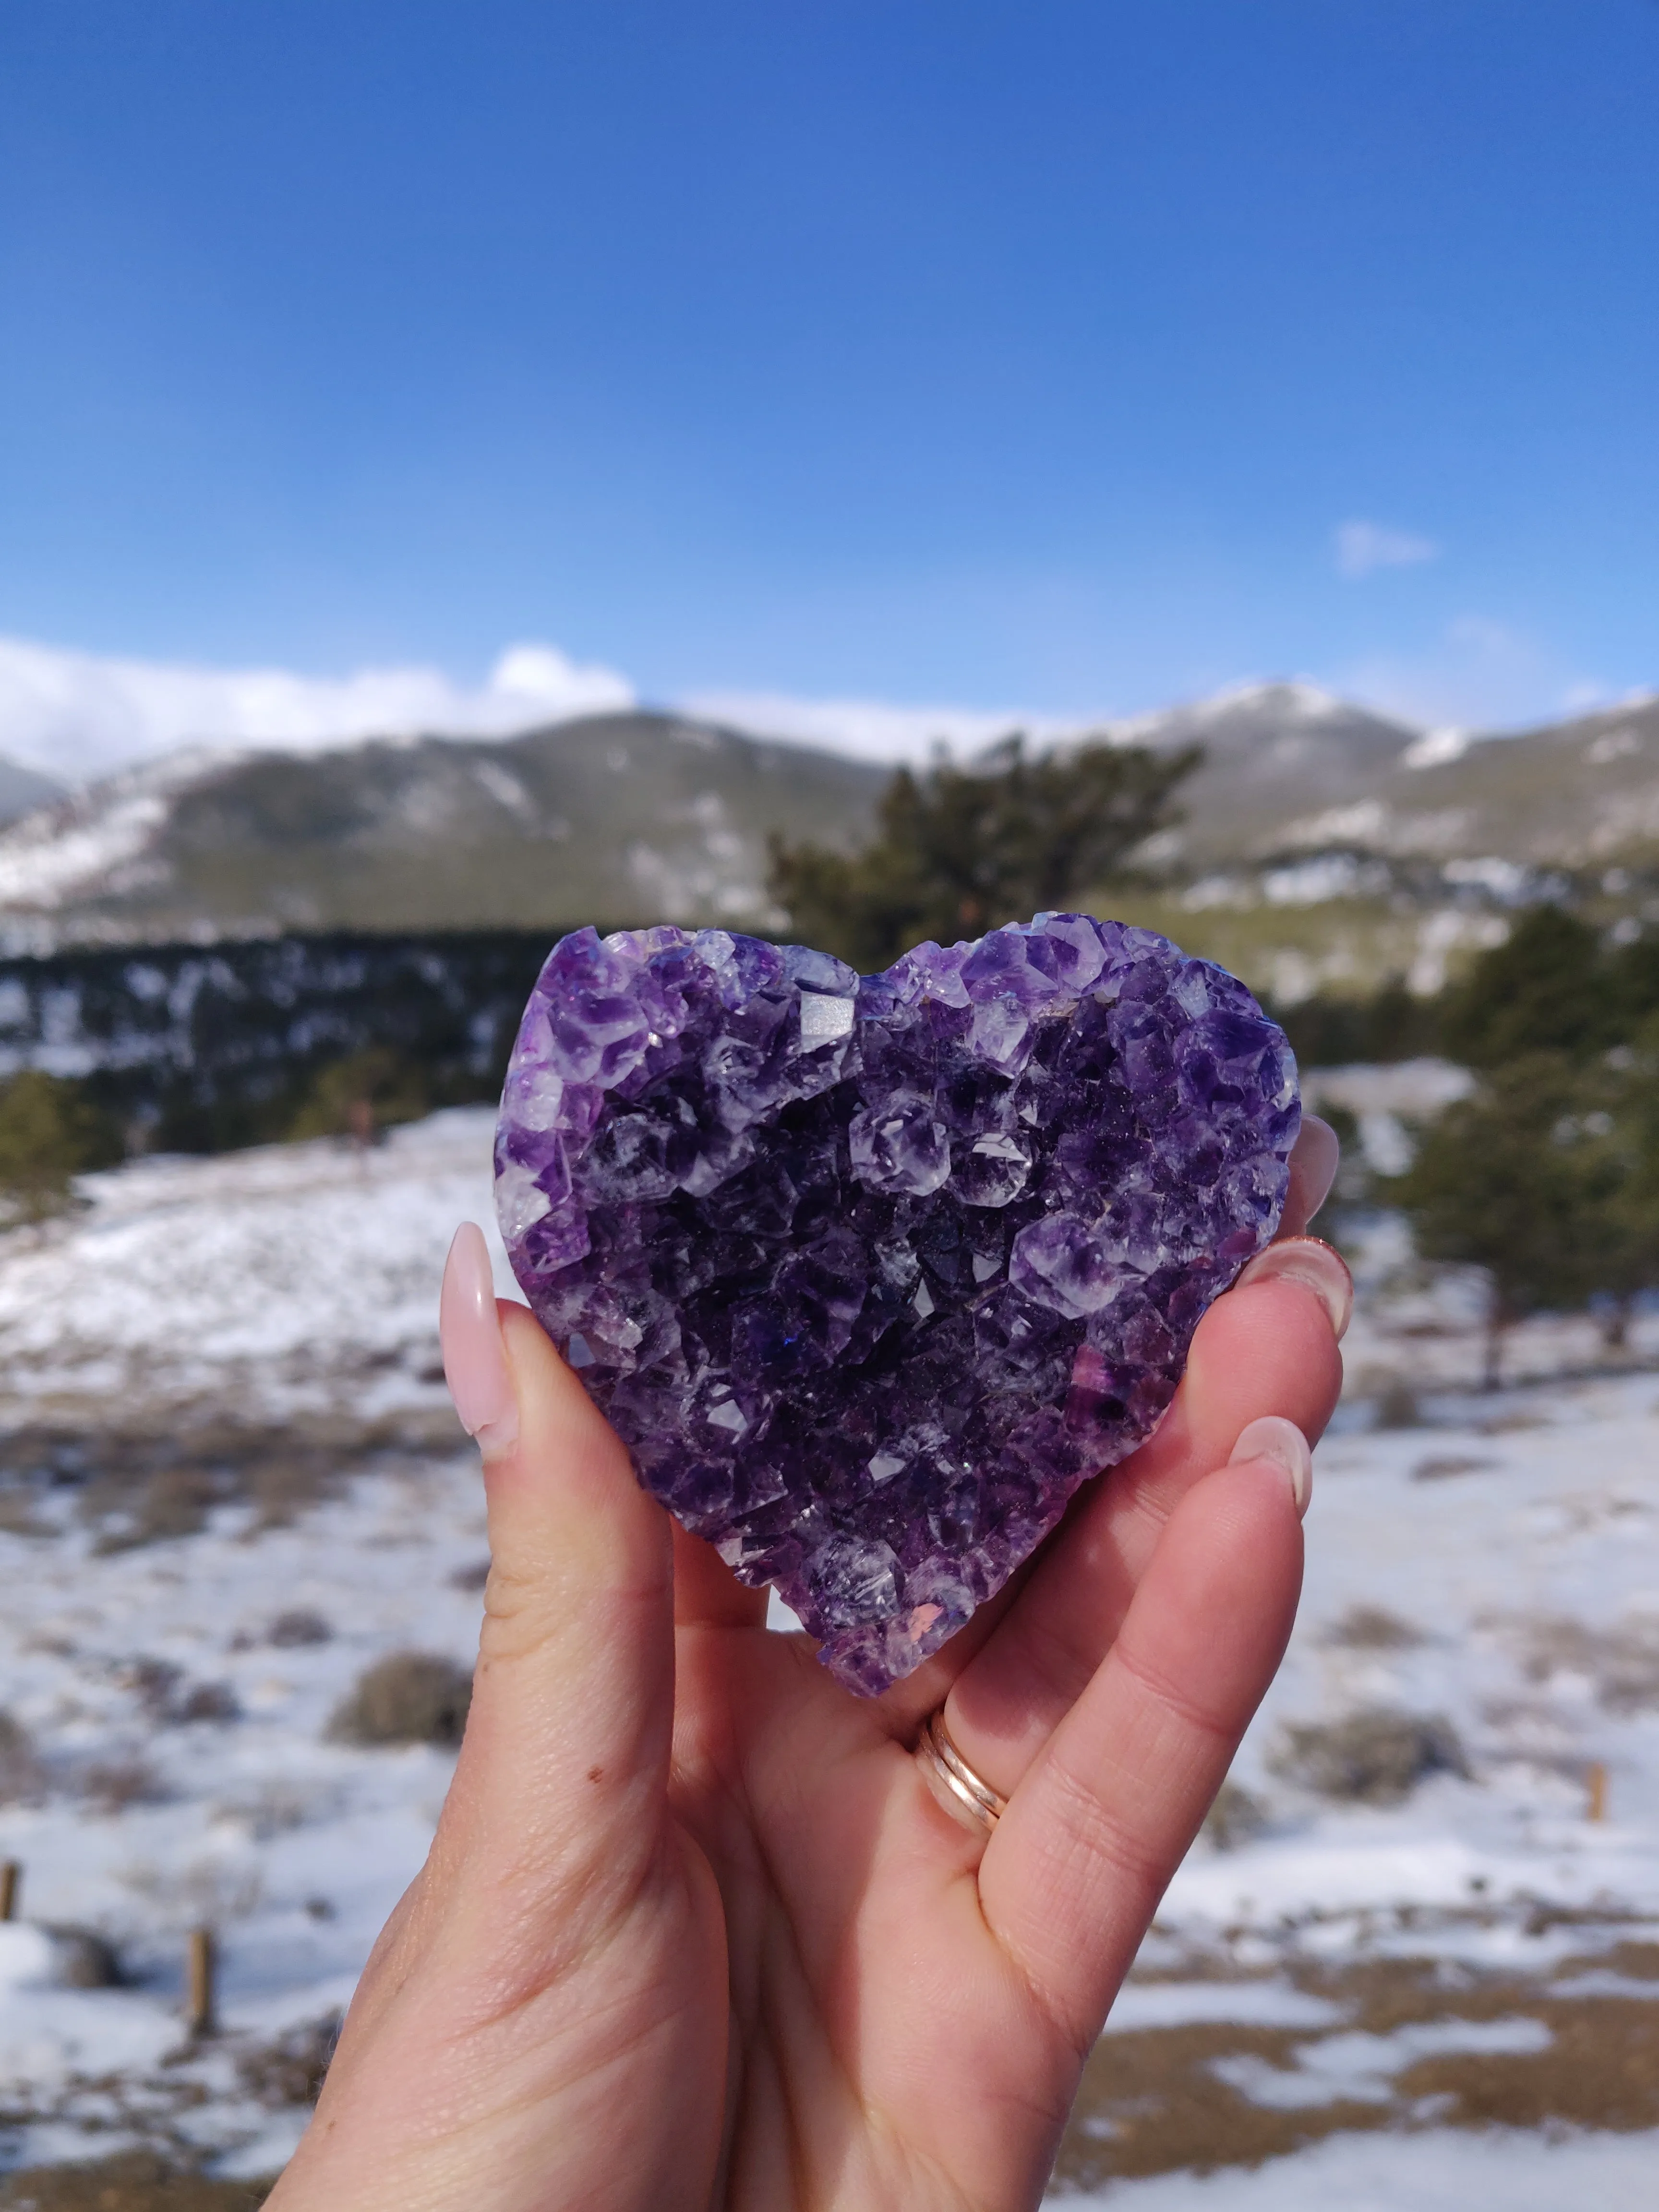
[1316, 1266]
[1275, 1438]
[1314, 1160]
[475, 1365]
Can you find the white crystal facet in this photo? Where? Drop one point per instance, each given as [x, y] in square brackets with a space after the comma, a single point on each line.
[823, 1019]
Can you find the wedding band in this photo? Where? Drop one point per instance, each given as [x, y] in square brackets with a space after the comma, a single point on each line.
[967, 1796]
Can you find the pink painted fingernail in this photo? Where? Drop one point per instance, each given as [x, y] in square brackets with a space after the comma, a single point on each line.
[1316, 1266]
[475, 1364]
[1275, 1438]
[1313, 1159]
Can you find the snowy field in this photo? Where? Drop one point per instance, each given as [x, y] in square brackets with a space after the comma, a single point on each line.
[1414, 1963]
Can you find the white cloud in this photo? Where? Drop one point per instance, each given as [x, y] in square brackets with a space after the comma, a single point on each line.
[870, 729]
[77, 716]
[1363, 547]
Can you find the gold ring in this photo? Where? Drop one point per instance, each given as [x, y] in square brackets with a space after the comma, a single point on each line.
[966, 1796]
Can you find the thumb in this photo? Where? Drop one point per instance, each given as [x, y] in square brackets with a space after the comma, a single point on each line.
[562, 1776]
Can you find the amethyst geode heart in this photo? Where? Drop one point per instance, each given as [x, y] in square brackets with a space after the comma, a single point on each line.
[869, 1273]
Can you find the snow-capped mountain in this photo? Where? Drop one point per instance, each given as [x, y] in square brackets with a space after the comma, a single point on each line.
[1299, 798]
[609, 816]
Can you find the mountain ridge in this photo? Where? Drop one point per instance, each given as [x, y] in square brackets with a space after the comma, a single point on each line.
[1361, 842]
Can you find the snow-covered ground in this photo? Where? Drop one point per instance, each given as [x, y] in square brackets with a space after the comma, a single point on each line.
[1414, 1963]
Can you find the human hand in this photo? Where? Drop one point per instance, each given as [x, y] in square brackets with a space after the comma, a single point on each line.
[694, 1932]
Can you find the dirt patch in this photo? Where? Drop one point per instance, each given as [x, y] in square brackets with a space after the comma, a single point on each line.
[1601, 2070]
[135, 2181]
[1153, 2101]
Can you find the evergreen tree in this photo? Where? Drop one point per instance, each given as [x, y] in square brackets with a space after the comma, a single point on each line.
[1548, 988]
[962, 850]
[49, 1134]
[360, 1096]
[1536, 1179]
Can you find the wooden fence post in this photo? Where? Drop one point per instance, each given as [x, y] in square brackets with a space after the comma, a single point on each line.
[11, 1875]
[1595, 1790]
[201, 1963]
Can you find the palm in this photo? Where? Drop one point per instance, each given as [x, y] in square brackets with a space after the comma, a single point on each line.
[694, 1933]
[910, 2015]
[881, 2036]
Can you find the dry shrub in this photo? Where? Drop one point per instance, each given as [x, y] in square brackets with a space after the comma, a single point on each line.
[85, 1960]
[1397, 1406]
[138, 1486]
[169, 1701]
[273, 1809]
[409, 1697]
[110, 1785]
[1623, 1662]
[22, 1777]
[1374, 1757]
[1440, 1467]
[300, 1626]
[1373, 1628]
[291, 2071]
[1237, 1815]
[18, 1516]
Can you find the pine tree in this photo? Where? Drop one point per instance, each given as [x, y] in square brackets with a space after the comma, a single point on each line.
[962, 850]
[1536, 1179]
[48, 1135]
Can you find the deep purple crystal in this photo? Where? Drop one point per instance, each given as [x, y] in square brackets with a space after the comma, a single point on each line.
[870, 1273]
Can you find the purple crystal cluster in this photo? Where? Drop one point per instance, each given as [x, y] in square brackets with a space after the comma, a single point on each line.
[870, 1273]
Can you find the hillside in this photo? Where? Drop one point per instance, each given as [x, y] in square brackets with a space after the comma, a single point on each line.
[1320, 847]
[1327, 849]
[613, 817]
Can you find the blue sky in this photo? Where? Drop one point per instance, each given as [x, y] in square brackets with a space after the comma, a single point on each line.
[1075, 354]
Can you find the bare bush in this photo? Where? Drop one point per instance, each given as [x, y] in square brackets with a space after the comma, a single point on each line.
[410, 1696]
[1373, 1628]
[1374, 1757]
[169, 1701]
[84, 1959]
[291, 2071]
[1622, 1662]
[1440, 1466]
[1397, 1406]
[299, 1627]
[1237, 1815]
[110, 1785]
[22, 1777]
